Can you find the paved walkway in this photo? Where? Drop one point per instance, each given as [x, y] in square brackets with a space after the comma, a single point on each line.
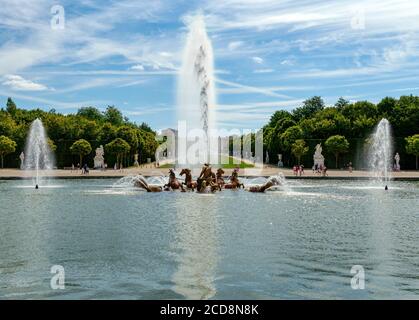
[151, 171]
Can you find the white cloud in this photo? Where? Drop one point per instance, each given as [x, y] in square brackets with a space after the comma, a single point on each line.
[287, 62]
[137, 67]
[249, 89]
[62, 105]
[147, 110]
[263, 71]
[166, 54]
[257, 60]
[233, 45]
[16, 82]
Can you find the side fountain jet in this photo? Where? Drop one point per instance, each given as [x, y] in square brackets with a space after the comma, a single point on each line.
[38, 155]
[380, 153]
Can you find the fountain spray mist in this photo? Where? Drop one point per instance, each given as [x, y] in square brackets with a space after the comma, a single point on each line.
[380, 151]
[196, 89]
[38, 155]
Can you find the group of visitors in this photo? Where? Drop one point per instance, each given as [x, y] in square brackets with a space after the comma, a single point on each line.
[298, 170]
[84, 169]
[320, 169]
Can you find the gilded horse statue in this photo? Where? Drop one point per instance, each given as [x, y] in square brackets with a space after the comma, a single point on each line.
[189, 183]
[173, 183]
[140, 182]
[273, 181]
[234, 181]
[219, 178]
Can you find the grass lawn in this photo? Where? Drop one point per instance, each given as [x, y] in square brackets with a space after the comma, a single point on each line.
[227, 164]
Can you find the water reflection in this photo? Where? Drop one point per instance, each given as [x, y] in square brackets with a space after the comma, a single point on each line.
[196, 247]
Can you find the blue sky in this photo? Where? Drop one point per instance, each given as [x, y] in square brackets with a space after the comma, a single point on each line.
[269, 55]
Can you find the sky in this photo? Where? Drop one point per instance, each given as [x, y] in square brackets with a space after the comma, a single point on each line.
[269, 55]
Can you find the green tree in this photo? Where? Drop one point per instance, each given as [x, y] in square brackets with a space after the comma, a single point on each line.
[107, 133]
[386, 106]
[118, 147]
[7, 124]
[90, 113]
[147, 145]
[290, 136]
[51, 145]
[279, 115]
[341, 103]
[82, 148]
[309, 108]
[114, 116]
[129, 134]
[337, 144]
[7, 146]
[299, 149]
[405, 119]
[144, 126]
[11, 106]
[412, 146]
[360, 108]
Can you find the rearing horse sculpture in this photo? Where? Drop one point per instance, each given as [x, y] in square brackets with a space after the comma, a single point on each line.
[234, 181]
[140, 182]
[273, 181]
[189, 183]
[173, 183]
[219, 176]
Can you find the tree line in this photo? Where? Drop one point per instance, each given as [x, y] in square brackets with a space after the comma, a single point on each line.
[343, 129]
[74, 137]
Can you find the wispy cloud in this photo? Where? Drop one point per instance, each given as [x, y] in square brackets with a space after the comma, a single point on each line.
[146, 110]
[257, 60]
[51, 103]
[250, 89]
[233, 45]
[263, 71]
[281, 50]
[16, 82]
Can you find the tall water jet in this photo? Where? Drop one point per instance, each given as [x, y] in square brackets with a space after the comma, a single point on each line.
[38, 155]
[380, 151]
[196, 95]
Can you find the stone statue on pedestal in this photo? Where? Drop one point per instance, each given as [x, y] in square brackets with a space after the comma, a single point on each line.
[99, 160]
[397, 164]
[318, 157]
[22, 161]
[280, 163]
